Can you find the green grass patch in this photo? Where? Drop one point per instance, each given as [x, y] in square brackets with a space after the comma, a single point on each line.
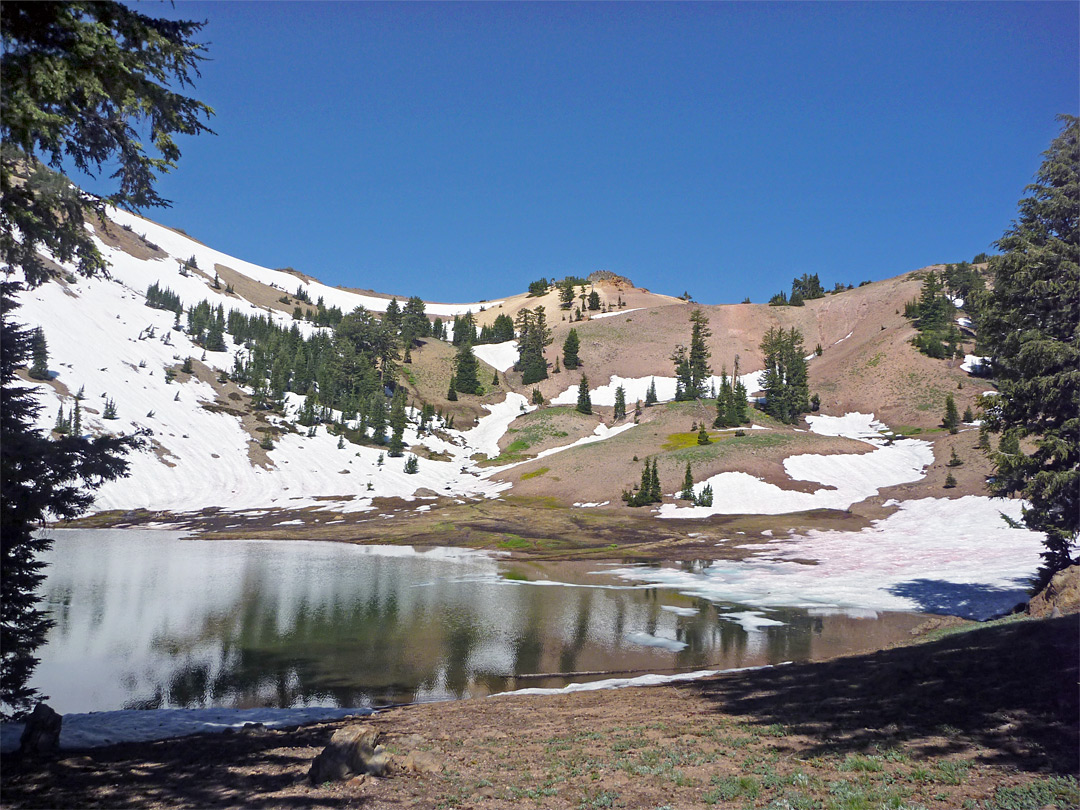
[535, 473]
[1062, 792]
[875, 360]
[513, 542]
[729, 788]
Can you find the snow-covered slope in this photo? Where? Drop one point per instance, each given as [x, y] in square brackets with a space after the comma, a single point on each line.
[104, 341]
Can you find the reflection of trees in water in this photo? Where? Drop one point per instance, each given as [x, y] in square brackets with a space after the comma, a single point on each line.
[572, 649]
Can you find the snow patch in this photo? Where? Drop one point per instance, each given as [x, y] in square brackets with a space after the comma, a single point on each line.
[501, 356]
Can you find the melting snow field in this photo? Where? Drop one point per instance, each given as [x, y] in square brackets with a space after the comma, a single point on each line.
[498, 355]
[934, 555]
[846, 478]
[635, 389]
[95, 729]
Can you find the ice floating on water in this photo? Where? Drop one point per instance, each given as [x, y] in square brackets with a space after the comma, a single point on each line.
[649, 640]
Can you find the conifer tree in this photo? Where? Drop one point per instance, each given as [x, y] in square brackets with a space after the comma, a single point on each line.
[650, 394]
[412, 465]
[570, 350]
[654, 485]
[698, 357]
[594, 301]
[703, 435]
[466, 370]
[684, 386]
[397, 423]
[1028, 326]
[451, 394]
[584, 402]
[39, 368]
[687, 493]
[620, 403]
[951, 420]
[784, 380]
[392, 316]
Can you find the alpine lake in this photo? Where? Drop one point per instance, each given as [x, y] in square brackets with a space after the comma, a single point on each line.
[150, 619]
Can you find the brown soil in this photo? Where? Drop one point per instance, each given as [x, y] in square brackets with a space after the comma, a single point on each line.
[973, 717]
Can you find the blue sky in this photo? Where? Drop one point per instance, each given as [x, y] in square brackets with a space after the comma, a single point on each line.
[459, 151]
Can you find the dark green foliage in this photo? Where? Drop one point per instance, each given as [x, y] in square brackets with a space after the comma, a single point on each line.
[538, 287]
[620, 403]
[75, 77]
[495, 379]
[451, 394]
[954, 460]
[1028, 326]
[806, 288]
[950, 481]
[537, 397]
[784, 380]
[109, 411]
[412, 465]
[699, 353]
[703, 435]
[731, 409]
[158, 297]
[687, 493]
[392, 315]
[648, 491]
[186, 367]
[705, 497]
[938, 336]
[584, 402]
[39, 352]
[683, 385]
[397, 423]
[570, 350]
[969, 416]
[566, 293]
[951, 419]
[498, 332]
[779, 300]
[594, 301]
[464, 329]
[533, 335]
[964, 281]
[41, 479]
[650, 393]
[466, 370]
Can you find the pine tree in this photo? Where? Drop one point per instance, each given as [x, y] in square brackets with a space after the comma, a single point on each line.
[654, 485]
[570, 351]
[684, 386]
[951, 420]
[703, 435]
[687, 493]
[950, 481]
[76, 419]
[705, 497]
[39, 368]
[620, 403]
[594, 301]
[109, 411]
[954, 459]
[650, 394]
[412, 465]
[584, 402]
[466, 370]
[725, 403]
[392, 316]
[784, 380]
[397, 423]
[699, 354]
[451, 394]
[1028, 326]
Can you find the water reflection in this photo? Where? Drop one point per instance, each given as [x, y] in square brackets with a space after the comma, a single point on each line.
[147, 619]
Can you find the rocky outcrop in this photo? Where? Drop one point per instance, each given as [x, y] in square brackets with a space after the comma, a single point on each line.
[1060, 596]
[352, 752]
[41, 736]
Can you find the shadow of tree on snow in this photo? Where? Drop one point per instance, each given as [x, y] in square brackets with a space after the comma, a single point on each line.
[967, 600]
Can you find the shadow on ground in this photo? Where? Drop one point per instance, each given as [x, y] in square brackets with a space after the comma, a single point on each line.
[1011, 689]
[197, 771]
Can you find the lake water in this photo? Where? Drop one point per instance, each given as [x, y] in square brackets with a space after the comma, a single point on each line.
[148, 619]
